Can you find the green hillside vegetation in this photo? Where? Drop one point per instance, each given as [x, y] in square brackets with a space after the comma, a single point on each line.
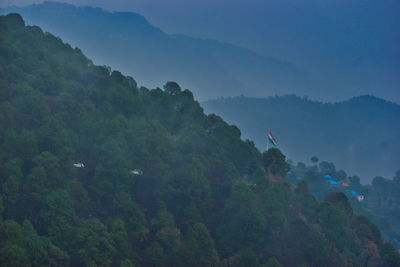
[379, 200]
[161, 183]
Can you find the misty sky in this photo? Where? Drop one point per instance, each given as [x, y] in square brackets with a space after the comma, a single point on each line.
[352, 43]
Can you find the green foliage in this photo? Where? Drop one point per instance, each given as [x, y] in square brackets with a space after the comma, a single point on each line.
[155, 253]
[366, 230]
[127, 263]
[170, 237]
[119, 236]
[163, 219]
[272, 262]
[79, 195]
[12, 180]
[51, 166]
[11, 232]
[24, 247]
[201, 246]
[305, 201]
[333, 223]
[316, 248]
[202, 196]
[377, 201]
[341, 201]
[244, 258]
[275, 162]
[245, 224]
[314, 159]
[59, 204]
[172, 88]
[390, 255]
[94, 243]
[1, 208]
[14, 255]
[132, 215]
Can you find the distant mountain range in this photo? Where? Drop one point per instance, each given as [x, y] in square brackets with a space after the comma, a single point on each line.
[360, 135]
[128, 42]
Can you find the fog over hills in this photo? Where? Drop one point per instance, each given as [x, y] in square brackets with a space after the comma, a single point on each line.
[126, 41]
[360, 135]
[345, 48]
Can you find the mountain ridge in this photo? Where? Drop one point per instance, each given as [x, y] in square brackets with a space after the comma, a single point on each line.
[210, 67]
[356, 134]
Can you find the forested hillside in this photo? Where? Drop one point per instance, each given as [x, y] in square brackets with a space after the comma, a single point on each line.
[360, 135]
[96, 171]
[379, 200]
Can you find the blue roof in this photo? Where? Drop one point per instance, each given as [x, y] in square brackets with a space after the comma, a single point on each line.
[395, 239]
[299, 178]
[327, 176]
[333, 182]
[353, 192]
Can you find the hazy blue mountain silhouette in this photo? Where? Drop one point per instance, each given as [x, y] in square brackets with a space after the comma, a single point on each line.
[360, 135]
[128, 42]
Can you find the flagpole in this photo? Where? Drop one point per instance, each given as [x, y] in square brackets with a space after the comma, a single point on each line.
[268, 138]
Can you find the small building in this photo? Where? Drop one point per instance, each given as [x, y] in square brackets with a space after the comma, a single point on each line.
[345, 184]
[333, 182]
[79, 165]
[136, 172]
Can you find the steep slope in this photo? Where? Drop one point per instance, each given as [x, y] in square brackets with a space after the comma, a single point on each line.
[360, 135]
[126, 41]
[96, 171]
[380, 200]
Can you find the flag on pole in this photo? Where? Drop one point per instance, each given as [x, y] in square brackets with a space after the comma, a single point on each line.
[271, 138]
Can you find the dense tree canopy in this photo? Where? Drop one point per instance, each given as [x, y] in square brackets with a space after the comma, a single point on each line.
[95, 170]
[379, 200]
